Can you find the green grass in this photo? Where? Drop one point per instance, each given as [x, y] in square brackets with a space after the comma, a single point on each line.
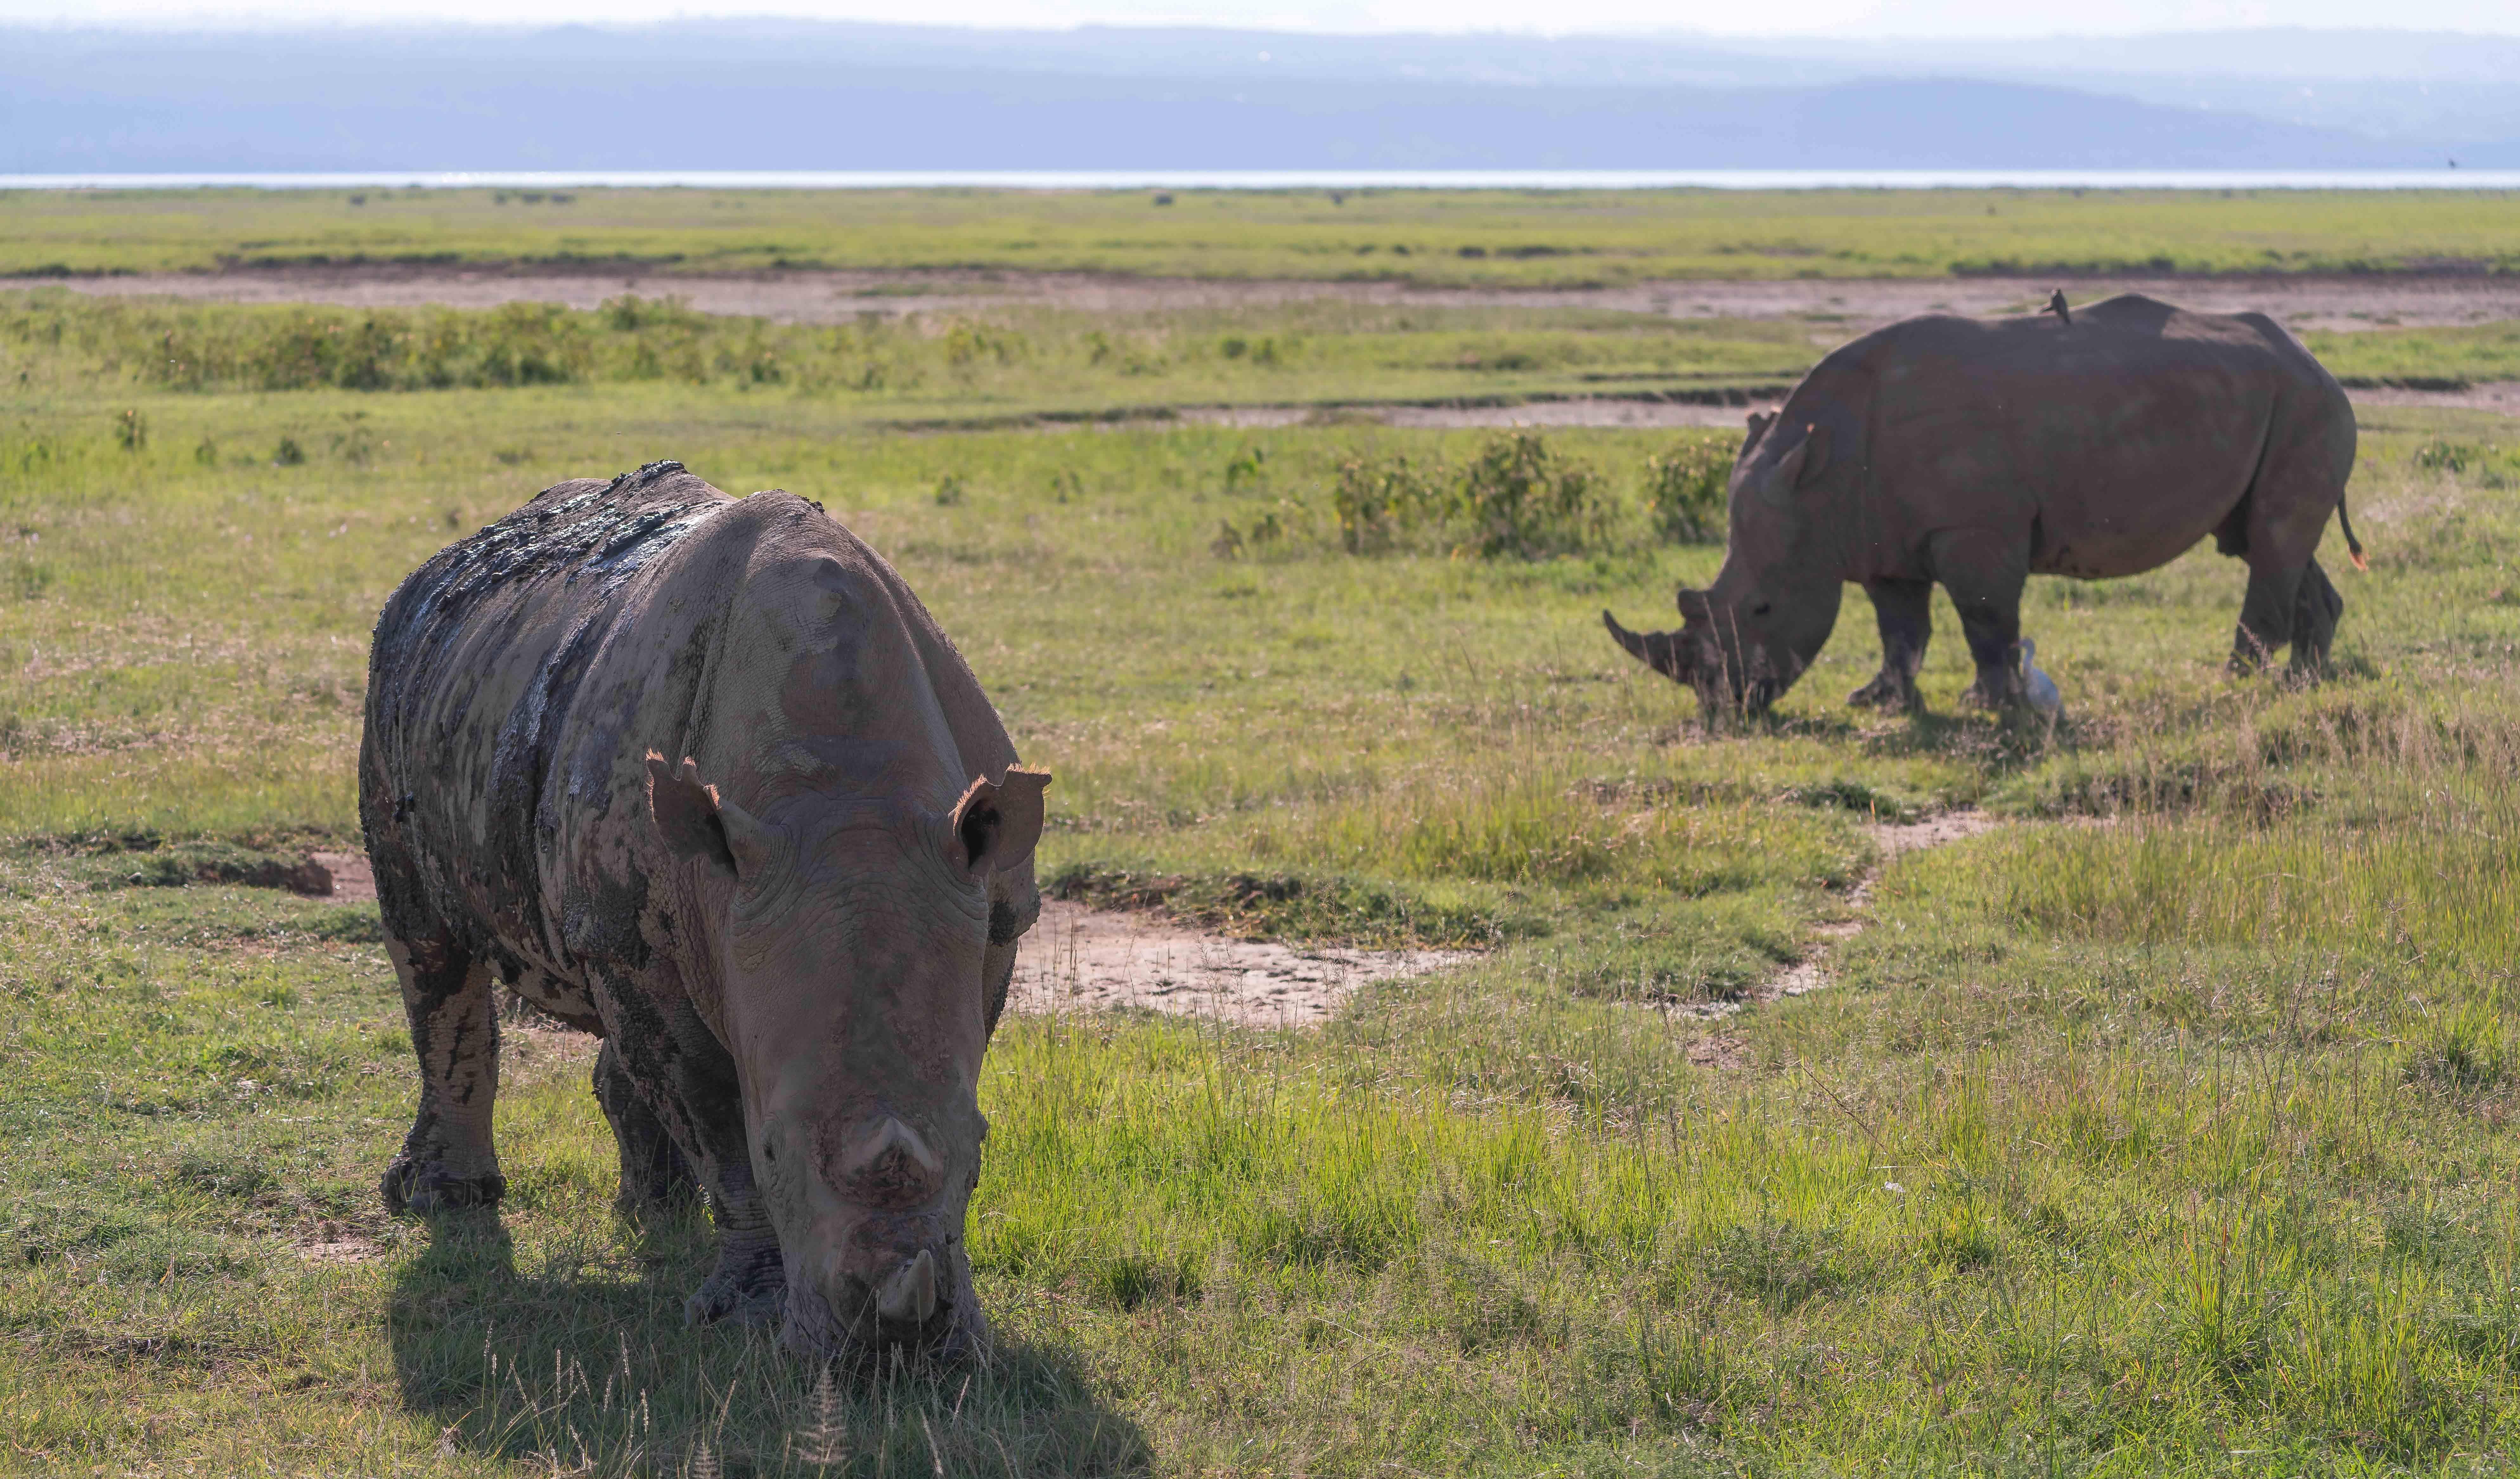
[1001, 367]
[1499, 237]
[2167, 1130]
[965, 368]
[2418, 356]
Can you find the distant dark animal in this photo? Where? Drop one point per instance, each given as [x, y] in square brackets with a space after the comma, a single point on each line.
[700, 774]
[1978, 453]
[2056, 307]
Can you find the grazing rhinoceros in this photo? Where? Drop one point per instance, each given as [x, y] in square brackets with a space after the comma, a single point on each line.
[1980, 453]
[700, 774]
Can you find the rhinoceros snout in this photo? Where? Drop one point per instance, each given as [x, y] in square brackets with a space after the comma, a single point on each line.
[913, 1305]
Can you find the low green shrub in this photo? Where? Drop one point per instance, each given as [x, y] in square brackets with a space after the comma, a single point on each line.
[2490, 465]
[1378, 499]
[1516, 498]
[1521, 498]
[1685, 492]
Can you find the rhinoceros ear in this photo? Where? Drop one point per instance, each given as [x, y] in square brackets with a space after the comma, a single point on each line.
[696, 824]
[1807, 461]
[997, 826]
[1760, 422]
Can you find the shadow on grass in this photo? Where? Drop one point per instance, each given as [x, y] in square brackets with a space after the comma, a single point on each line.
[1998, 746]
[584, 1363]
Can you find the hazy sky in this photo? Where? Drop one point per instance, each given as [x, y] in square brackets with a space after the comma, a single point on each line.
[1911, 17]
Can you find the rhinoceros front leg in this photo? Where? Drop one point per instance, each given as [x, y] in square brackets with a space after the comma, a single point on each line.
[653, 1173]
[1903, 610]
[673, 1066]
[447, 1161]
[1985, 572]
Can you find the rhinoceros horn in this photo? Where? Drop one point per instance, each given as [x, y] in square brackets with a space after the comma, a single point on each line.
[909, 1296]
[892, 1164]
[1662, 651]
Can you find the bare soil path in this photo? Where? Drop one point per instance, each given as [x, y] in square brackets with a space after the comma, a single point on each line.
[1811, 973]
[1085, 959]
[1845, 307]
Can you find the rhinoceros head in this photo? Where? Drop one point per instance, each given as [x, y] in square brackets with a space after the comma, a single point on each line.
[852, 957]
[1744, 641]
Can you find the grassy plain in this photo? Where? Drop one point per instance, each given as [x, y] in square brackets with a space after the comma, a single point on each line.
[957, 368]
[1003, 366]
[1489, 238]
[2165, 1130]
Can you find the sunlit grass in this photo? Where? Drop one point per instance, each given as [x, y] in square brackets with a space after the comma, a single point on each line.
[2166, 1130]
[1493, 238]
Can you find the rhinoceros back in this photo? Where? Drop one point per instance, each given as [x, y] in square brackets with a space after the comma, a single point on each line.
[476, 662]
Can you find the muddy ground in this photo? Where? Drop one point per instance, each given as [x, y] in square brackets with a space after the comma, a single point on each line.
[1086, 959]
[1078, 960]
[1851, 306]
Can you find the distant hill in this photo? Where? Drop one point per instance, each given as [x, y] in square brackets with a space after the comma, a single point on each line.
[788, 95]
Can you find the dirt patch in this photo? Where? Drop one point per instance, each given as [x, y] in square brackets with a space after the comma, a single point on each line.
[1844, 308]
[1581, 411]
[336, 1245]
[1086, 959]
[1587, 412]
[1933, 832]
[1811, 973]
[347, 878]
[2499, 396]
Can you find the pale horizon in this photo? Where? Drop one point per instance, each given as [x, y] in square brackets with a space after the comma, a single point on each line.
[1951, 21]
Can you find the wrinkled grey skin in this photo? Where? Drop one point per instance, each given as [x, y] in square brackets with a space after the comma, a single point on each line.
[702, 776]
[1977, 454]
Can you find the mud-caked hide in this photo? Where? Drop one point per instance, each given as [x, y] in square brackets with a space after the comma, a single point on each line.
[703, 775]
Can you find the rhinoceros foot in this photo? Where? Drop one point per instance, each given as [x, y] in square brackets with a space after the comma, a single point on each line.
[2000, 693]
[426, 1190]
[1888, 695]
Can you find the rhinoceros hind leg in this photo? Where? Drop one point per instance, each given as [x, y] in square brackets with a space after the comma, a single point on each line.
[1985, 571]
[1903, 610]
[2314, 615]
[447, 1161]
[2266, 616]
[654, 1174]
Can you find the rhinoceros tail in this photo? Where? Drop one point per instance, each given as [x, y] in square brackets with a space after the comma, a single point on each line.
[2352, 546]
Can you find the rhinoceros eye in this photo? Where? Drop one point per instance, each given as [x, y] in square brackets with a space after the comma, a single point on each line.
[1761, 609]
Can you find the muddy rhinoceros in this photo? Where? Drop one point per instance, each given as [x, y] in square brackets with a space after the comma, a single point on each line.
[1979, 453]
[700, 774]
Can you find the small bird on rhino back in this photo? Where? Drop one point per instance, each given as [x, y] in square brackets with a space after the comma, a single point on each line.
[1974, 454]
[700, 774]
